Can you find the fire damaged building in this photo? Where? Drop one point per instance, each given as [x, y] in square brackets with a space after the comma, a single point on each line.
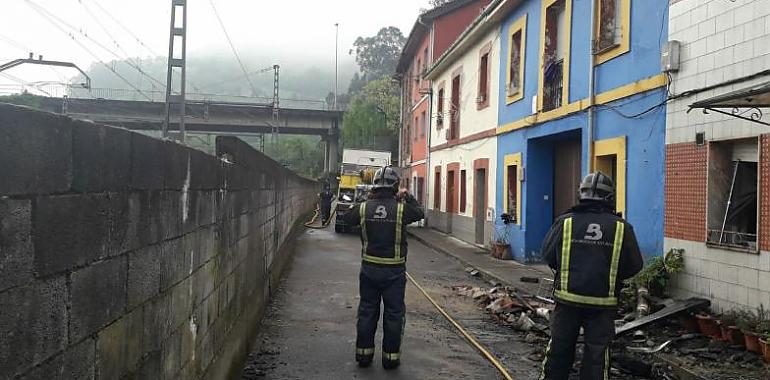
[718, 151]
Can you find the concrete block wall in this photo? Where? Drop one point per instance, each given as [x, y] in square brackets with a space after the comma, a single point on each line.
[128, 257]
[721, 41]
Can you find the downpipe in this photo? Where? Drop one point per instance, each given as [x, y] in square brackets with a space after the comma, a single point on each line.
[591, 92]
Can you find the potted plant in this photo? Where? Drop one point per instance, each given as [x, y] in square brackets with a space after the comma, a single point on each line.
[501, 246]
[748, 323]
[763, 330]
[730, 330]
[708, 325]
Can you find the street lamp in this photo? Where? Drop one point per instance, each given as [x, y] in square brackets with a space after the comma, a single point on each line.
[336, 61]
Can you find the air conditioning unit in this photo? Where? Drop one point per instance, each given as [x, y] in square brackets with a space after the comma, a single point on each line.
[481, 98]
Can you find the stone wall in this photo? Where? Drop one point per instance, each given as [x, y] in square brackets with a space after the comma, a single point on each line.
[124, 256]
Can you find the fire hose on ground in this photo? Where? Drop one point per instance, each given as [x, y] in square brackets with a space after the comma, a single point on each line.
[311, 222]
[471, 340]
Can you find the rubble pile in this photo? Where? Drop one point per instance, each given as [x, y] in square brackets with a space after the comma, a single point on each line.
[668, 350]
[509, 307]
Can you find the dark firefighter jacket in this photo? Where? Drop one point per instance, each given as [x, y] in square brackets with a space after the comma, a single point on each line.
[383, 221]
[326, 197]
[592, 251]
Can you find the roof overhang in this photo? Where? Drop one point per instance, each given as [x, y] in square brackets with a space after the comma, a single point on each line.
[746, 104]
[492, 15]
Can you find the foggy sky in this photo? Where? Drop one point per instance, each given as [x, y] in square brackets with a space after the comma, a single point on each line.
[262, 30]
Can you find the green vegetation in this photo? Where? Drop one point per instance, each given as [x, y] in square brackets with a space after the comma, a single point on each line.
[24, 99]
[658, 272]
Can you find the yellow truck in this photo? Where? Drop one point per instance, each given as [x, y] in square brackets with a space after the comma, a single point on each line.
[355, 179]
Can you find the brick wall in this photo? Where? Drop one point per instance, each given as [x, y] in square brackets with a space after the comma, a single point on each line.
[686, 187]
[764, 201]
[124, 256]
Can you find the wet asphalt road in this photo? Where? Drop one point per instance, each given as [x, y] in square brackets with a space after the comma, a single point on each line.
[309, 329]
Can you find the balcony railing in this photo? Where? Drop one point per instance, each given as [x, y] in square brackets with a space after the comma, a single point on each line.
[552, 85]
[732, 239]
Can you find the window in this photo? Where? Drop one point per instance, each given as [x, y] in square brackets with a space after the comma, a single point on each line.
[420, 190]
[463, 191]
[612, 26]
[454, 110]
[437, 189]
[483, 98]
[424, 124]
[732, 194]
[440, 109]
[418, 77]
[451, 207]
[610, 159]
[555, 46]
[512, 182]
[515, 75]
[414, 128]
[425, 61]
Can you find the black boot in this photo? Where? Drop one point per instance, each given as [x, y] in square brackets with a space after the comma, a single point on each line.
[390, 364]
[364, 360]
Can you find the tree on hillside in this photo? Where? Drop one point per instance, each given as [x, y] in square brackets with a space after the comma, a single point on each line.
[377, 56]
[372, 118]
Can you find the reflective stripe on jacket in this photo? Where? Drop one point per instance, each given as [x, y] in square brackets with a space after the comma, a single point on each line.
[383, 221]
[592, 251]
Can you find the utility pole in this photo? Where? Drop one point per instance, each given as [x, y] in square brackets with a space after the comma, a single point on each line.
[176, 32]
[336, 61]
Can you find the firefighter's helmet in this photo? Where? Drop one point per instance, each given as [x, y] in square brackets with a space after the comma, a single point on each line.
[597, 187]
[386, 178]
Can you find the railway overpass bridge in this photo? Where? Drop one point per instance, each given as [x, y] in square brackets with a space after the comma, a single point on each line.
[209, 117]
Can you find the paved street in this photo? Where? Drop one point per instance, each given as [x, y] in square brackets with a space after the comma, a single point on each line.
[309, 330]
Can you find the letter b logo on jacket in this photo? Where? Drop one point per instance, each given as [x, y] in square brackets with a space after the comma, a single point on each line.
[594, 232]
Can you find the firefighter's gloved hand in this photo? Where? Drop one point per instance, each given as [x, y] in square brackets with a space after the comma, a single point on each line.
[402, 194]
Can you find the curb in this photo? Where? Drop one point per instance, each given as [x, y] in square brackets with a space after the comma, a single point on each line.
[486, 275]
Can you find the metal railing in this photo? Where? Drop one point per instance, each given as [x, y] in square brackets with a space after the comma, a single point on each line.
[732, 239]
[553, 85]
[58, 90]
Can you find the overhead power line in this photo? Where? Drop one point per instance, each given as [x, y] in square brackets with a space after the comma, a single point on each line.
[51, 20]
[97, 43]
[260, 71]
[235, 52]
[117, 21]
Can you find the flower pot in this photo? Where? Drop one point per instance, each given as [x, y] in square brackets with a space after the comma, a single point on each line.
[708, 326]
[765, 349]
[752, 342]
[689, 323]
[501, 251]
[725, 330]
[735, 336]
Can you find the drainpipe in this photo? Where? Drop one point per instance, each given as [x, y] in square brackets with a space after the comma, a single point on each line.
[591, 94]
[428, 184]
[401, 124]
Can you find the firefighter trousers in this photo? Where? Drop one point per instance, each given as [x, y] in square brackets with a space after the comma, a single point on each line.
[326, 210]
[386, 285]
[598, 331]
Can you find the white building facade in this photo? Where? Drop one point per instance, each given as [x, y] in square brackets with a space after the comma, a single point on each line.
[718, 151]
[463, 146]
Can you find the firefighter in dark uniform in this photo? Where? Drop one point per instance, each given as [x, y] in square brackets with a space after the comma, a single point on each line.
[325, 202]
[383, 219]
[592, 250]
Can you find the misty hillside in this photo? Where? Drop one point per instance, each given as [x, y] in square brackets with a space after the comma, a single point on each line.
[220, 74]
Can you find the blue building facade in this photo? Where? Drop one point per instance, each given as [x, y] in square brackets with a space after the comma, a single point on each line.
[552, 131]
